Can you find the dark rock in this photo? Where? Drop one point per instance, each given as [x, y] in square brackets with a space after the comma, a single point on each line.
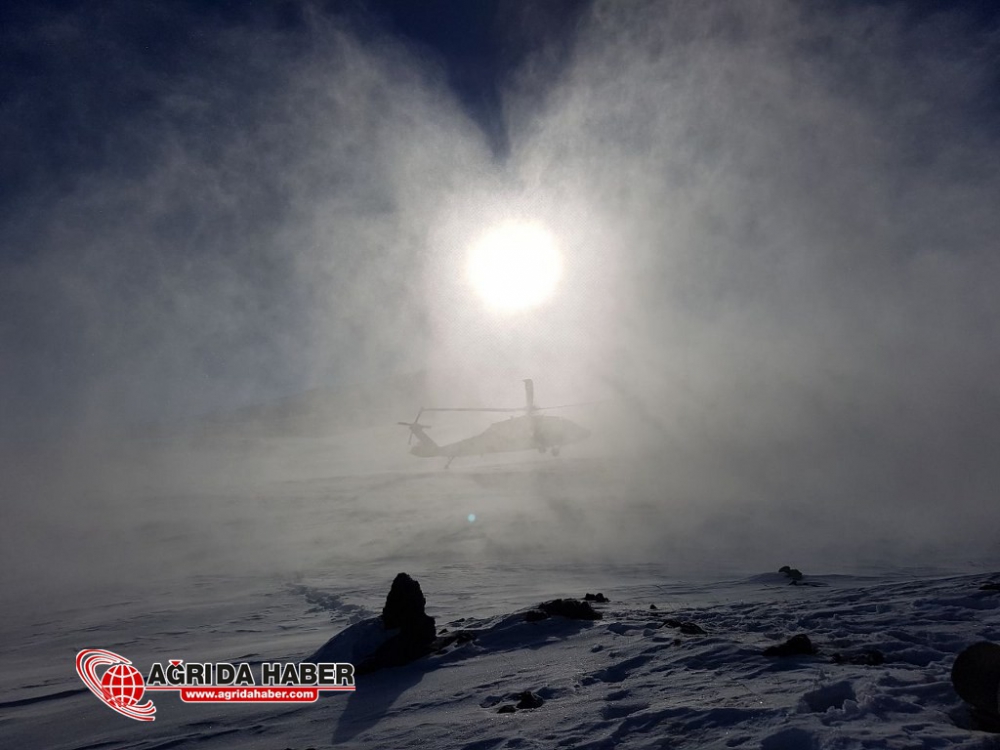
[984, 721]
[528, 699]
[652, 606]
[403, 611]
[459, 637]
[535, 615]
[404, 606]
[508, 709]
[572, 609]
[869, 657]
[991, 586]
[976, 677]
[797, 645]
[599, 598]
[395, 652]
[795, 575]
[687, 628]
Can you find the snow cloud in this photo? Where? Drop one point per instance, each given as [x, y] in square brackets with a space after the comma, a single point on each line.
[777, 223]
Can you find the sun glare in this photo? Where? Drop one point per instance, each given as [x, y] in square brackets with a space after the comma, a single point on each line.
[515, 266]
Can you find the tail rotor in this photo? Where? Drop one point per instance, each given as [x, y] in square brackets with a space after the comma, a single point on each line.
[414, 424]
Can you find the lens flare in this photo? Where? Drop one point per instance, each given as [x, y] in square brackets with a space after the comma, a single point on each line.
[515, 266]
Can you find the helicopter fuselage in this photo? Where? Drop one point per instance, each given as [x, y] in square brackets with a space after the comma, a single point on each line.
[529, 432]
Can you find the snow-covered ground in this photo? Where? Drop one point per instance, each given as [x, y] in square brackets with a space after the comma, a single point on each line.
[234, 573]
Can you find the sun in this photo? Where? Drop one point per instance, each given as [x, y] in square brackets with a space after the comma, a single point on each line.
[515, 266]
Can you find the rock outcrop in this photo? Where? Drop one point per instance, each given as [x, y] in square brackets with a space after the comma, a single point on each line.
[402, 633]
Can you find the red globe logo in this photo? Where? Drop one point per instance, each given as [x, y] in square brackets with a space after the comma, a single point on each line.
[123, 684]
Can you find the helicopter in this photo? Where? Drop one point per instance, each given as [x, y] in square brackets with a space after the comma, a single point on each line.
[530, 431]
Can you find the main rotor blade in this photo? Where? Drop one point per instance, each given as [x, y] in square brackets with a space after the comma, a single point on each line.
[513, 409]
[472, 408]
[566, 406]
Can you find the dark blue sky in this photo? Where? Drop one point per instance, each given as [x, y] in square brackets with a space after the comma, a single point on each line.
[77, 77]
[70, 99]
